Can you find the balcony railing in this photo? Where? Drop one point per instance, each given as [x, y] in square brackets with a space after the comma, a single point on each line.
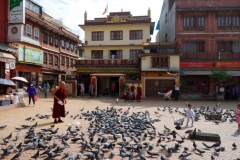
[108, 62]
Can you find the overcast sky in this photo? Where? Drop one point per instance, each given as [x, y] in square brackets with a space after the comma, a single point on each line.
[71, 12]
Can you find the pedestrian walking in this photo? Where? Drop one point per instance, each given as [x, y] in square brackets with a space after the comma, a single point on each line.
[46, 88]
[139, 93]
[190, 114]
[31, 90]
[60, 95]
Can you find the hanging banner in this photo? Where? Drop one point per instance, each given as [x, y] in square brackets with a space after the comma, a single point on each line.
[17, 11]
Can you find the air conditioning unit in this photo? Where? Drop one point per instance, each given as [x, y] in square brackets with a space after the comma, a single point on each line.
[12, 65]
[86, 43]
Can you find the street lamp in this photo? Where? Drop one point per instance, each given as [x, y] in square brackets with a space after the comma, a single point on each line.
[219, 53]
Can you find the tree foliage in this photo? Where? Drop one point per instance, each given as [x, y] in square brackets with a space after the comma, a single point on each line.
[220, 75]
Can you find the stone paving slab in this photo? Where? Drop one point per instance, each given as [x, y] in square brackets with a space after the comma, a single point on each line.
[14, 116]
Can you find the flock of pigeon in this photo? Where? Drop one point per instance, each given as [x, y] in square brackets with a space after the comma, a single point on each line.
[114, 132]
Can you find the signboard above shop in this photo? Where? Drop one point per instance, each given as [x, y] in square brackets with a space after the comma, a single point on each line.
[30, 54]
[17, 11]
[196, 64]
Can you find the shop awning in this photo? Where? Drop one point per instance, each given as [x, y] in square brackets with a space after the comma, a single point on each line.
[6, 55]
[207, 72]
[108, 74]
[7, 48]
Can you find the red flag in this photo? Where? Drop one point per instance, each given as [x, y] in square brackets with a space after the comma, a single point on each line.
[105, 10]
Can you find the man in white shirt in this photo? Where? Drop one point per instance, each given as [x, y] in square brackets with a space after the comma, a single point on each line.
[113, 56]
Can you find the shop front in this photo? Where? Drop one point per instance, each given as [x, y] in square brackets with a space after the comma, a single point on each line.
[195, 77]
[154, 82]
[30, 72]
[53, 77]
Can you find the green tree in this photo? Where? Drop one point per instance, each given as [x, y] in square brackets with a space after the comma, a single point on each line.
[219, 75]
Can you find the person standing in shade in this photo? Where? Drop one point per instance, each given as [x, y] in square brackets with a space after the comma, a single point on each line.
[91, 90]
[132, 90]
[113, 89]
[60, 95]
[127, 94]
[82, 89]
[139, 93]
[176, 87]
[31, 90]
[46, 88]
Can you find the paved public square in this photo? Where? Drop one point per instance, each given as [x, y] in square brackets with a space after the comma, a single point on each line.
[14, 116]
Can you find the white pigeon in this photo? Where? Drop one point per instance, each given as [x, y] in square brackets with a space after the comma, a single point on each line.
[174, 75]
[218, 104]
[117, 100]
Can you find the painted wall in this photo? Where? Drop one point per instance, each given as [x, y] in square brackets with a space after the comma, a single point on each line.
[106, 50]
[117, 27]
[146, 63]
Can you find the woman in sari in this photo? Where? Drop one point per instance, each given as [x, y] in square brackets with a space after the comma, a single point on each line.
[60, 95]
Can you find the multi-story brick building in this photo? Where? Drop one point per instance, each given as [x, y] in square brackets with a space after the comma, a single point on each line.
[7, 60]
[110, 52]
[207, 36]
[47, 50]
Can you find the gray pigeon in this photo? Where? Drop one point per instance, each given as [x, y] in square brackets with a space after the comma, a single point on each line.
[184, 155]
[9, 136]
[12, 145]
[66, 154]
[79, 155]
[6, 152]
[17, 155]
[29, 145]
[200, 151]
[35, 156]
[2, 127]
[164, 158]
[17, 137]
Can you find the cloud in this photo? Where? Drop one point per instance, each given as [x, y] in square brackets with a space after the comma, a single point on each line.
[71, 12]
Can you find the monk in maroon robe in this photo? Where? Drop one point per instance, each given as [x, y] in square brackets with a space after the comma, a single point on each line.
[132, 89]
[127, 94]
[139, 93]
[60, 95]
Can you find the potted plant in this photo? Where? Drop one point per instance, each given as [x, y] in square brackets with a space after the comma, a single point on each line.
[219, 75]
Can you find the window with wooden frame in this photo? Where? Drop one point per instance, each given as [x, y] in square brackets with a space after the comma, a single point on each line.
[116, 35]
[36, 34]
[134, 54]
[236, 47]
[63, 44]
[56, 60]
[97, 54]
[193, 23]
[97, 36]
[160, 62]
[51, 59]
[56, 42]
[194, 46]
[45, 58]
[67, 45]
[71, 47]
[67, 61]
[63, 61]
[228, 22]
[45, 38]
[29, 30]
[225, 46]
[51, 40]
[135, 34]
[71, 63]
